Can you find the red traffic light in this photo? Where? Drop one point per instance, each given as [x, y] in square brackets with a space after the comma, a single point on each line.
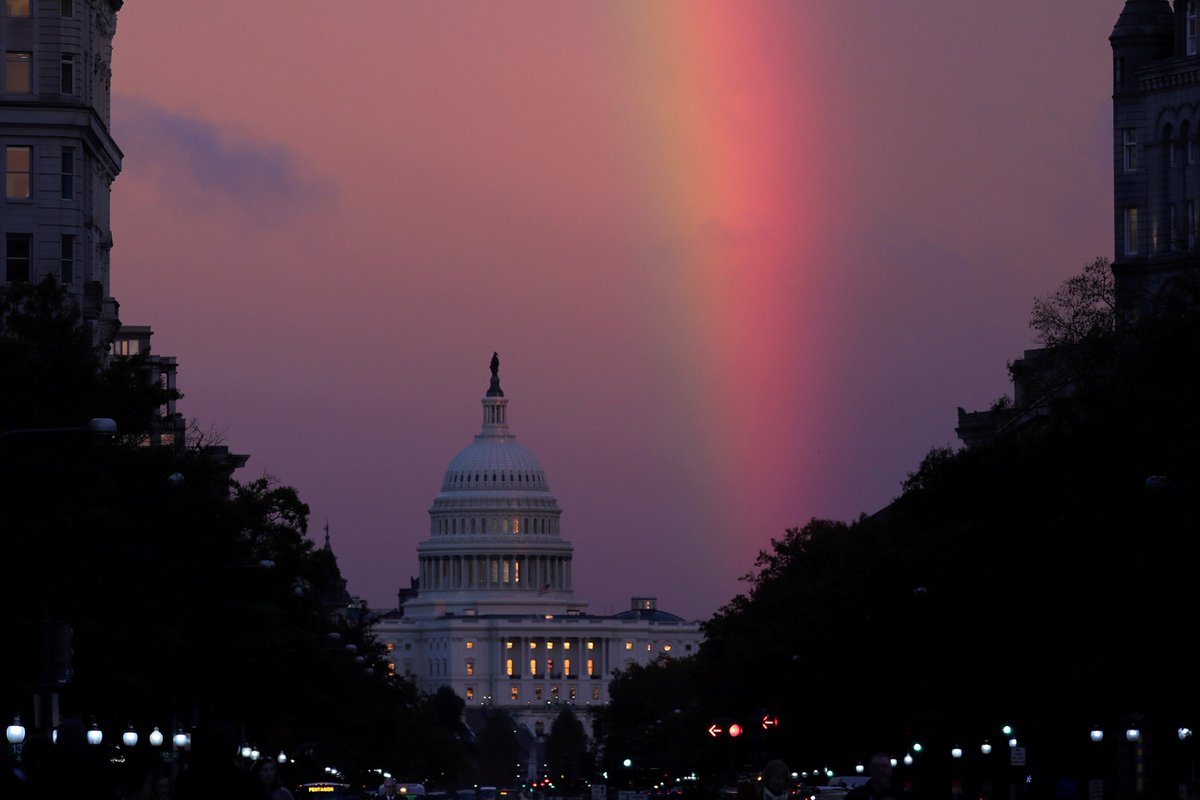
[770, 721]
[715, 730]
[735, 730]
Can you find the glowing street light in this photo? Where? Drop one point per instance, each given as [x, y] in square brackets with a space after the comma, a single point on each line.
[15, 733]
[156, 738]
[129, 738]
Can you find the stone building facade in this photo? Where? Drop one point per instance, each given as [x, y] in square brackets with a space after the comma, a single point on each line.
[493, 614]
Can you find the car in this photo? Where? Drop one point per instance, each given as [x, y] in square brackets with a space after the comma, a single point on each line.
[849, 781]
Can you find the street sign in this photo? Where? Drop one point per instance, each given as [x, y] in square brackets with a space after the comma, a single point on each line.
[1016, 756]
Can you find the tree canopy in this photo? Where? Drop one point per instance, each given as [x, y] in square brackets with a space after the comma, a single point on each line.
[1044, 580]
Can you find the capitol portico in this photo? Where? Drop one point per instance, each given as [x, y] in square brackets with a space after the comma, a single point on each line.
[492, 614]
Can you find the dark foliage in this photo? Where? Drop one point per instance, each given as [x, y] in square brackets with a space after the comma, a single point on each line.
[1046, 580]
[192, 599]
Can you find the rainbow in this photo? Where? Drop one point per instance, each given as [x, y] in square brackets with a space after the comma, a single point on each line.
[724, 155]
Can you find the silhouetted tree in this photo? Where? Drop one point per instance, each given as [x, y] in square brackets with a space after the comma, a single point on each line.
[567, 757]
[498, 751]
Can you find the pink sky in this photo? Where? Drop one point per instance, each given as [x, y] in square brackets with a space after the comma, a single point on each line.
[741, 261]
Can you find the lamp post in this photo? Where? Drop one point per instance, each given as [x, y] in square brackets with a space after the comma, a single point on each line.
[1096, 763]
[1133, 735]
[15, 734]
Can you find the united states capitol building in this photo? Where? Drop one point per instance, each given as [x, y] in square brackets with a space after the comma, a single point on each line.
[492, 613]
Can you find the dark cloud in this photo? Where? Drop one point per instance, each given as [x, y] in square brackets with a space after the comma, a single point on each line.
[197, 163]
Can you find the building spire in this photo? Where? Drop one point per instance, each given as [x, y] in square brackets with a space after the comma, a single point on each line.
[495, 425]
[328, 548]
[494, 389]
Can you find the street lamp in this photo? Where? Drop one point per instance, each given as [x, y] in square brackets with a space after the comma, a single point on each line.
[156, 738]
[956, 752]
[129, 738]
[94, 735]
[908, 759]
[180, 739]
[100, 426]
[15, 734]
[1132, 734]
[1097, 734]
[986, 748]
[281, 758]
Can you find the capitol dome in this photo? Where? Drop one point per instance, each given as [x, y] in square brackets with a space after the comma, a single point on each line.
[494, 462]
[494, 543]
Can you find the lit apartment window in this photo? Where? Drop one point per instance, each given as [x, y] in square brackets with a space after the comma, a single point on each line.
[16, 8]
[17, 161]
[591, 645]
[508, 666]
[1129, 145]
[18, 72]
[591, 667]
[1131, 231]
[533, 666]
[629, 645]
[566, 666]
[595, 692]
[514, 692]
[549, 645]
[67, 174]
[566, 645]
[533, 645]
[470, 693]
[508, 645]
[571, 692]
[1191, 27]
[16, 257]
[470, 644]
[391, 645]
[470, 668]
[67, 262]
